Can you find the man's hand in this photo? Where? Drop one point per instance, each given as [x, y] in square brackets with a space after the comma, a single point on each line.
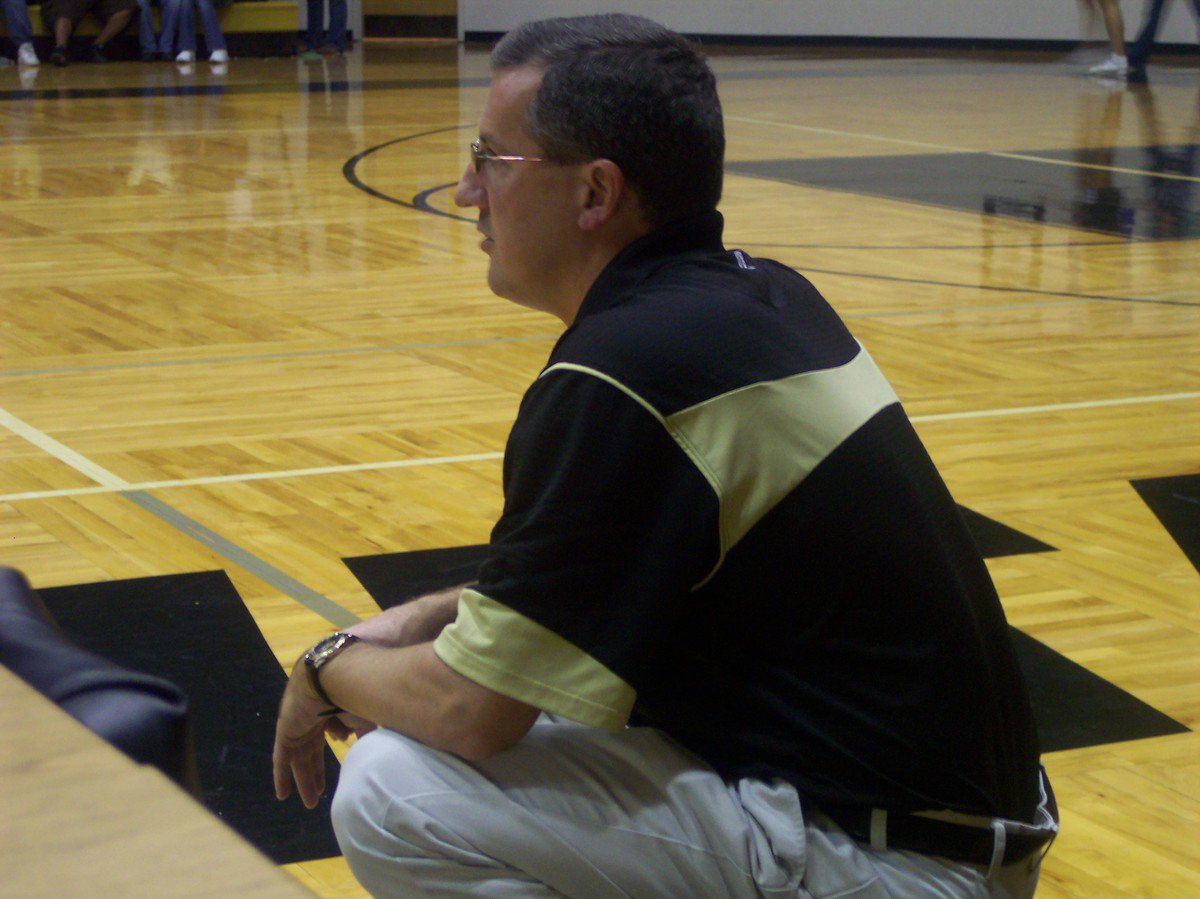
[300, 740]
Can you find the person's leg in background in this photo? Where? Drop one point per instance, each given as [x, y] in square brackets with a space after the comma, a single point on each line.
[335, 37]
[116, 19]
[1114, 25]
[185, 32]
[214, 40]
[147, 42]
[20, 31]
[1138, 53]
[314, 35]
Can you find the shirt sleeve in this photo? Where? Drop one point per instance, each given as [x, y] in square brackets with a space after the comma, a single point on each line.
[607, 527]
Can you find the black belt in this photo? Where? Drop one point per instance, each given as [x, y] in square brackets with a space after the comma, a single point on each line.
[947, 839]
[977, 844]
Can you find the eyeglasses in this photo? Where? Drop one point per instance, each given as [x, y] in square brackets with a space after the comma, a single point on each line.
[480, 156]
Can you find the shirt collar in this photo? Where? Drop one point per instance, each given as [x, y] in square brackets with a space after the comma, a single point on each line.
[638, 260]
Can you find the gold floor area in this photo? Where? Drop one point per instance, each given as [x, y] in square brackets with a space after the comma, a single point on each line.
[245, 293]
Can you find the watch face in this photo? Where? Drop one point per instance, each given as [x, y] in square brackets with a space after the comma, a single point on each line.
[327, 648]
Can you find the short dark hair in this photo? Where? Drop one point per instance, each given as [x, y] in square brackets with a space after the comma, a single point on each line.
[625, 88]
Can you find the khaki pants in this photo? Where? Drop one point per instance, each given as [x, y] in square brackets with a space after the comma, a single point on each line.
[579, 812]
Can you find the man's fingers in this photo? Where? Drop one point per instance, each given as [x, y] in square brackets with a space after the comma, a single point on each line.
[308, 769]
[282, 773]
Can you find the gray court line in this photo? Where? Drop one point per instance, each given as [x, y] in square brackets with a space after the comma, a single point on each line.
[335, 614]
[306, 596]
[268, 357]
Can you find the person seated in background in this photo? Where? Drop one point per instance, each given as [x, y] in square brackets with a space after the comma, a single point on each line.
[147, 42]
[20, 31]
[179, 31]
[61, 16]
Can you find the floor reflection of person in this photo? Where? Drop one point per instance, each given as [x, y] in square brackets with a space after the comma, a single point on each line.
[1099, 204]
[1172, 169]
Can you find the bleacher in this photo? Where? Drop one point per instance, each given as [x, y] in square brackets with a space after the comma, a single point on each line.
[251, 28]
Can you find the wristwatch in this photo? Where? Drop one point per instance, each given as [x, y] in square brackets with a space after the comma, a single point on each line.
[319, 655]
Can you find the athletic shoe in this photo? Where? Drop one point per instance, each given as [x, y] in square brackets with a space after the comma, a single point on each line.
[59, 57]
[26, 55]
[97, 54]
[1114, 66]
[151, 56]
[219, 56]
[309, 55]
[186, 56]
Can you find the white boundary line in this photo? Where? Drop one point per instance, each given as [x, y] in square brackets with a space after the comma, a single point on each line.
[110, 483]
[253, 476]
[63, 453]
[947, 148]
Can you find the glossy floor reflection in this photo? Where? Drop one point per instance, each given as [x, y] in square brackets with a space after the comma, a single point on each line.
[1146, 192]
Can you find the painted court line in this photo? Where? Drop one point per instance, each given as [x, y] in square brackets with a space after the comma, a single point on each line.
[1059, 407]
[486, 457]
[257, 476]
[62, 453]
[275, 357]
[335, 614]
[879, 138]
[111, 483]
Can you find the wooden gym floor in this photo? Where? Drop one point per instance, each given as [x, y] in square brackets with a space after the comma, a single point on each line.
[243, 328]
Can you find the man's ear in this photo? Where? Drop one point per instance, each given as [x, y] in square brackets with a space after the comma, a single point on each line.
[605, 194]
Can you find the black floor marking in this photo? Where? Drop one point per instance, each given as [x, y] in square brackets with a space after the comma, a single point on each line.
[395, 578]
[1073, 707]
[1176, 502]
[194, 630]
[1146, 204]
[996, 540]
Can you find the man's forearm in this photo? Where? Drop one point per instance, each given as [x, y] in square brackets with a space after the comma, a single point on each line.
[416, 621]
[410, 690]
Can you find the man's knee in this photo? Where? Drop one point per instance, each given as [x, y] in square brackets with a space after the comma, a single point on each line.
[382, 773]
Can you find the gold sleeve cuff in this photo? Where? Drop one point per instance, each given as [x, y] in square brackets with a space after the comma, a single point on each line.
[507, 652]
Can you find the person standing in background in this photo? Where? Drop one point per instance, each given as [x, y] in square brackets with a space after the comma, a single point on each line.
[1117, 64]
[1140, 50]
[317, 40]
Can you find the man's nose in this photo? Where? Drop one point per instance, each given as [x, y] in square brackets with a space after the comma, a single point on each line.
[469, 191]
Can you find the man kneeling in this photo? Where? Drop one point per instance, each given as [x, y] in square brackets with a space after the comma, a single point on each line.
[732, 637]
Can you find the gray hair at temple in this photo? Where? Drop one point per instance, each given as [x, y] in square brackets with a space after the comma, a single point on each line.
[624, 88]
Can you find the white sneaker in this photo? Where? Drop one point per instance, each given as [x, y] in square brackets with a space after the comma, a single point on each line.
[26, 56]
[186, 56]
[219, 56]
[1114, 65]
